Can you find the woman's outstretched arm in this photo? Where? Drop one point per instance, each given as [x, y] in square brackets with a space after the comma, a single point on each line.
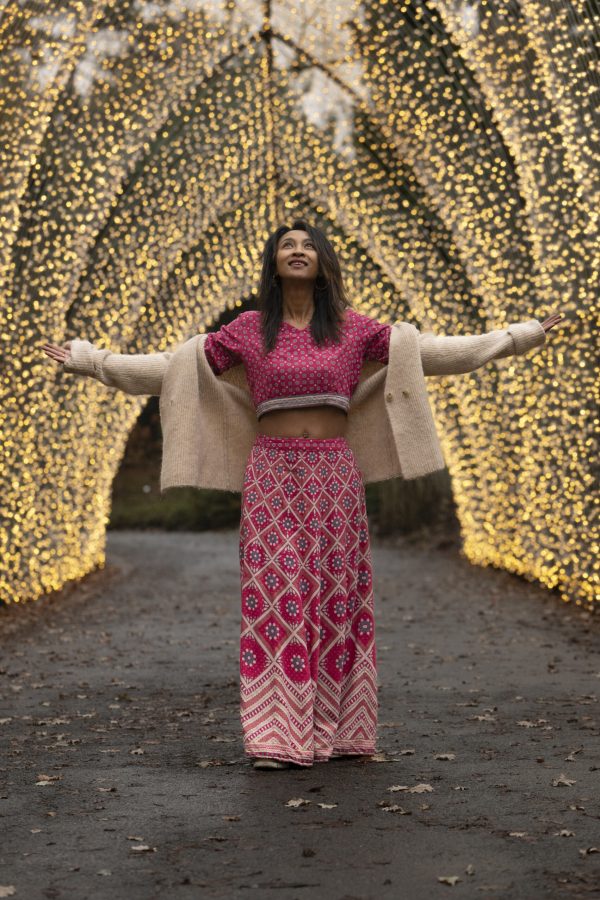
[133, 373]
[453, 355]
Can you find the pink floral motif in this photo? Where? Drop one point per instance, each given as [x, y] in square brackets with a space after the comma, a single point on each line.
[253, 659]
[254, 555]
[290, 607]
[363, 627]
[273, 632]
[337, 607]
[340, 658]
[295, 662]
[252, 602]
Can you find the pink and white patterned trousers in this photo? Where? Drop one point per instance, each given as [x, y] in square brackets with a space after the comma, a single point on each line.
[308, 678]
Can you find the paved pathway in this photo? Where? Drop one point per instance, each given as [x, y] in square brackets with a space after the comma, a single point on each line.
[123, 774]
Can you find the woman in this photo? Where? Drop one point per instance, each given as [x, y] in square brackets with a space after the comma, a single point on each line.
[307, 649]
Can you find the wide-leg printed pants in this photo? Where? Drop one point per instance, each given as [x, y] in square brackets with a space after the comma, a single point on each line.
[308, 677]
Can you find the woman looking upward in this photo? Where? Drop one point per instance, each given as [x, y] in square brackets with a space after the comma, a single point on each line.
[308, 665]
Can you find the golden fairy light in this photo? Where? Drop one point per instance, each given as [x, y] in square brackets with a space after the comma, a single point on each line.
[445, 147]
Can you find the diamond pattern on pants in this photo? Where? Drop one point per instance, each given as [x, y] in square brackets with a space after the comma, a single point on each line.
[307, 639]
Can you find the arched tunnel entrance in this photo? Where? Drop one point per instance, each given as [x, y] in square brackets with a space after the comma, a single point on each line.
[446, 150]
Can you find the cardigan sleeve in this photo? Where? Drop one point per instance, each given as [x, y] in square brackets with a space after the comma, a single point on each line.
[224, 348]
[133, 373]
[454, 355]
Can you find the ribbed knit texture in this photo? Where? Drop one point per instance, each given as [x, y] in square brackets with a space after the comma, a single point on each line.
[209, 421]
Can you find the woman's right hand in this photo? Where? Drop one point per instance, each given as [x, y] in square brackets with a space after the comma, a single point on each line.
[55, 351]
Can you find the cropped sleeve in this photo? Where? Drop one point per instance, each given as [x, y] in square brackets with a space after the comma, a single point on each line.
[223, 348]
[377, 341]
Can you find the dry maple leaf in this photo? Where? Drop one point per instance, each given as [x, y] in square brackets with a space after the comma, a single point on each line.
[380, 757]
[562, 779]
[449, 879]
[386, 806]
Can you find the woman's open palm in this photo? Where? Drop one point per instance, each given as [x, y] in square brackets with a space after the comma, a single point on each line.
[55, 351]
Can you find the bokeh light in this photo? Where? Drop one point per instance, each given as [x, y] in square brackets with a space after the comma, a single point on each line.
[446, 148]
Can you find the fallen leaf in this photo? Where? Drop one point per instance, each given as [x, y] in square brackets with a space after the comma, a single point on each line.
[585, 851]
[449, 879]
[207, 763]
[571, 756]
[445, 756]
[562, 779]
[517, 834]
[327, 805]
[35, 830]
[420, 789]
[393, 807]
[297, 801]
[564, 832]
[231, 818]
[104, 872]
[142, 848]
[7, 890]
[526, 723]
[134, 837]
[137, 752]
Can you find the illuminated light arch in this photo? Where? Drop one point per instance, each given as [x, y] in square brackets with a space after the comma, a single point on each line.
[444, 146]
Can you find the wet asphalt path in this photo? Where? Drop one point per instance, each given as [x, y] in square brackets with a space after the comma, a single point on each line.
[122, 768]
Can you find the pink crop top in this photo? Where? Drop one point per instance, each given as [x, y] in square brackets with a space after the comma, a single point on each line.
[297, 372]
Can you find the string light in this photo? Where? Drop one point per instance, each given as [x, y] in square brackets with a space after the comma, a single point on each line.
[445, 147]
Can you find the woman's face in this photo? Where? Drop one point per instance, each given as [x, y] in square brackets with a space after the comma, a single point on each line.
[297, 259]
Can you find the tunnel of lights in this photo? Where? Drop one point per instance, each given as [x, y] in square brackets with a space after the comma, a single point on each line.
[447, 148]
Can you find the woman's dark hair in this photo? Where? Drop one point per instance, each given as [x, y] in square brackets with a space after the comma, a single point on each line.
[329, 294]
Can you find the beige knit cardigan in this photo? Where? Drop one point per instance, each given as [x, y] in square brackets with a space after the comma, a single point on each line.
[209, 422]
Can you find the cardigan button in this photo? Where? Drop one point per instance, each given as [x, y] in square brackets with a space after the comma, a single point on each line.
[389, 396]
[405, 393]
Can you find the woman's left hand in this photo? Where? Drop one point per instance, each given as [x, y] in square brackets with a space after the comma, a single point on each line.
[551, 321]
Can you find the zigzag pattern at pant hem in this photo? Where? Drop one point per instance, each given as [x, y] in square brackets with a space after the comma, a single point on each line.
[292, 755]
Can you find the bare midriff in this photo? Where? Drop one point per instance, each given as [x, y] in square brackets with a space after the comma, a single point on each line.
[313, 422]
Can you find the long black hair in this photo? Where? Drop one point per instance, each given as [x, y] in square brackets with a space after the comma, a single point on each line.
[330, 296]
